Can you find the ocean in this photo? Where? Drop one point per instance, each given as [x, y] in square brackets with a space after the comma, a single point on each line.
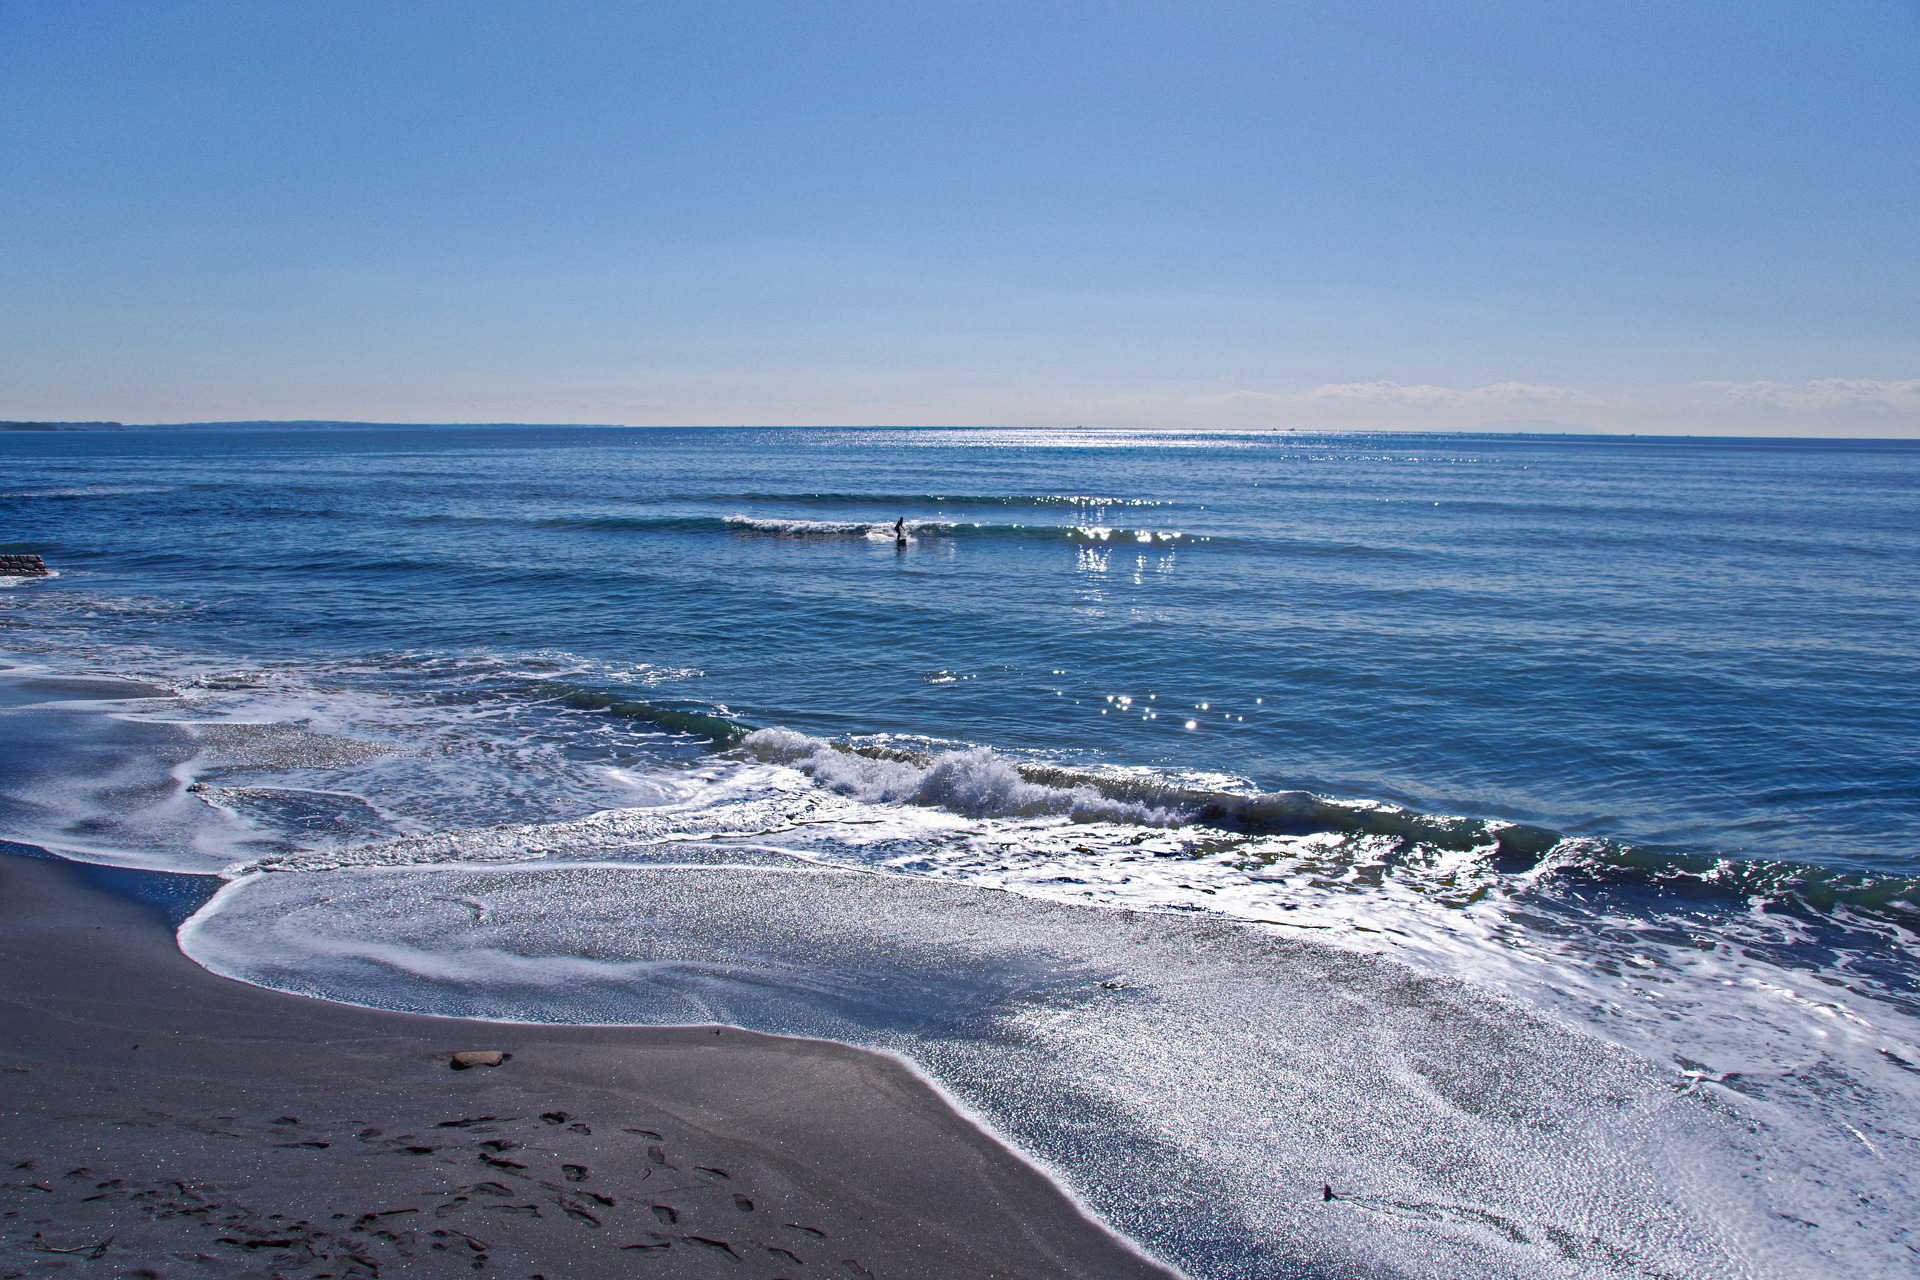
[1512, 837]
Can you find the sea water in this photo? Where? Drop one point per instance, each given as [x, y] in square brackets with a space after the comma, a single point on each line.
[1512, 837]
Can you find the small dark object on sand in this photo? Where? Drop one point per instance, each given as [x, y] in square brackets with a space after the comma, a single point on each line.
[21, 566]
[89, 1250]
[1326, 1192]
[478, 1058]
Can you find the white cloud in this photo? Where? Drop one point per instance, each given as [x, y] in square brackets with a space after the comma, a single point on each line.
[1825, 394]
[1424, 396]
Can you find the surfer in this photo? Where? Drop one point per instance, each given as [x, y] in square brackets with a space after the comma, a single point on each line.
[900, 532]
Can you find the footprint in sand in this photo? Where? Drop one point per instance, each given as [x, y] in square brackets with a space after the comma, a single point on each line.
[659, 1243]
[719, 1246]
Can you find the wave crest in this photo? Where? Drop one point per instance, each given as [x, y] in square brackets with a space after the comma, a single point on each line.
[875, 529]
[976, 782]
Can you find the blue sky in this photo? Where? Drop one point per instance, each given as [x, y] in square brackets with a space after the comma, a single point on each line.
[1634, 216]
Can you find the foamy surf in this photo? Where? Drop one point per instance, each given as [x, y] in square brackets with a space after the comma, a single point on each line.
[1772, 1051]
[1123, 1049]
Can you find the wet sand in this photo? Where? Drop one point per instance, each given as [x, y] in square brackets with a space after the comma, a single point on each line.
[156, 1120]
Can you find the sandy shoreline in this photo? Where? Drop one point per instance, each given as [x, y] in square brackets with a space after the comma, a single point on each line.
[253, 1133]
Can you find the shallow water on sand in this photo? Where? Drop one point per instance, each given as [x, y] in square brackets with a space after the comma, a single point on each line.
[1514, 833]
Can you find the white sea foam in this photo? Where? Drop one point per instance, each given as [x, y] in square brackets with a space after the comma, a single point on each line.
[120, 781]
[1809, 1062]
[1198, 1084]
[873, 530]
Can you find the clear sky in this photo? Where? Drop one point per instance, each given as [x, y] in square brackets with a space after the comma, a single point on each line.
[1683, 215]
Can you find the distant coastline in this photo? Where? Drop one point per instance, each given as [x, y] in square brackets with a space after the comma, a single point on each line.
[301, 424]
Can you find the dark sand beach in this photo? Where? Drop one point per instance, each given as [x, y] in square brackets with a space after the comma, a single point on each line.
[160, 1121]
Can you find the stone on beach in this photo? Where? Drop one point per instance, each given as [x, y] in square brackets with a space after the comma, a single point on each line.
[478, 1058]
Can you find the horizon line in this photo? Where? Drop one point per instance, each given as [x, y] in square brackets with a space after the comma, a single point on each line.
[25, 426]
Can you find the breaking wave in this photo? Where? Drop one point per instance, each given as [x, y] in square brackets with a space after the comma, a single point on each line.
[878, 530]
[1071, 500]
[873, 530]
[1346, 846]
[882, 530]
[977, 782]
[980, 782]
